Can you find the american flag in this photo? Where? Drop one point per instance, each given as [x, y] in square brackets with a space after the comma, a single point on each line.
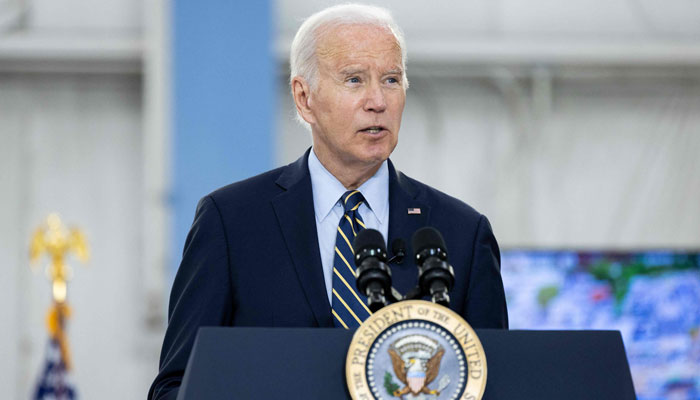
[54, 382]
[415, 211]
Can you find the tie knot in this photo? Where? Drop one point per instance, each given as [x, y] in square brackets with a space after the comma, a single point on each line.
[352, 200]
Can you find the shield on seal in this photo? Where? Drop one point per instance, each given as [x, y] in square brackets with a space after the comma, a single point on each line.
[415, 380]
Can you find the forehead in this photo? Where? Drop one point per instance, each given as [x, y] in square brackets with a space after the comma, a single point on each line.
[347, 44]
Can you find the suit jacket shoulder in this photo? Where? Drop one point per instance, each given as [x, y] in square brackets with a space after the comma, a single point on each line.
[254, 189]
[441, 202]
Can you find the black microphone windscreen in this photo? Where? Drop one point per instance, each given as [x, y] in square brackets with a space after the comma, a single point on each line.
[368, 238]
[427, 237]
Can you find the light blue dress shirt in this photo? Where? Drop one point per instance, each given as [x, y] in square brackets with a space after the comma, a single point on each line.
[328, 209]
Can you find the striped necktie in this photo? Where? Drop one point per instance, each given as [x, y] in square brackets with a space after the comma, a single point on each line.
[349, 307]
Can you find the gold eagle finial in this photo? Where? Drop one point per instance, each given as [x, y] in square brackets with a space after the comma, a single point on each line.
[57, 241]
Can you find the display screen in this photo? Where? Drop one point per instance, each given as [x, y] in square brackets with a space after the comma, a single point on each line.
[653, 298]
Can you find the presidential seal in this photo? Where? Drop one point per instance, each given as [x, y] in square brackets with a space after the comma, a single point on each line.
[415, 350]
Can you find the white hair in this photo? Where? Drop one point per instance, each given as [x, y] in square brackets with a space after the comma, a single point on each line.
[302, 57]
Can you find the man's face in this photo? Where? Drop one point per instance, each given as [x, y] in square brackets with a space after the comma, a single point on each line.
[359, 97]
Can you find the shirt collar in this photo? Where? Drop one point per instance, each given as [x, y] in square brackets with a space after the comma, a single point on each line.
[327, 189]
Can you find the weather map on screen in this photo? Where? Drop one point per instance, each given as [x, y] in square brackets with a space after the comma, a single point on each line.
[653, 298]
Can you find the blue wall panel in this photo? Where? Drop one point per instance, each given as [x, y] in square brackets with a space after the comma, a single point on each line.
[223, 87]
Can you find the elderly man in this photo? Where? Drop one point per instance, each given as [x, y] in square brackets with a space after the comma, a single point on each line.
[275, 250]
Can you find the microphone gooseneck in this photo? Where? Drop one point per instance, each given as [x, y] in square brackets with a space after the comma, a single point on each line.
[435, 275]
[373, 273]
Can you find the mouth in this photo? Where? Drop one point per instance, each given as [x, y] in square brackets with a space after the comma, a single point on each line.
[373, 130]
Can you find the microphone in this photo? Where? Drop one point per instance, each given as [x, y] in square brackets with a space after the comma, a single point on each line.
[373, 273]
[435, 275]
[398, 248]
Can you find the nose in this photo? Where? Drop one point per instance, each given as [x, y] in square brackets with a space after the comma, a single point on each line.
[375, 100]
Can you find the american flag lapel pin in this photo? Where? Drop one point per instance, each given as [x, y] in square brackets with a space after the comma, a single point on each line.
[414, 211]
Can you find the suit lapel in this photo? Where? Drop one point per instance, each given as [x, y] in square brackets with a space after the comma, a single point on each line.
[294, 209]
[404, 195]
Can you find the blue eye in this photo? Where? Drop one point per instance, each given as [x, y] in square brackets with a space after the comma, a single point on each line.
[354, 80]
[393, 80]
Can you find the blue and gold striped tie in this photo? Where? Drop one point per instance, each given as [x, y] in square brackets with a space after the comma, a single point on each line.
[348, 306]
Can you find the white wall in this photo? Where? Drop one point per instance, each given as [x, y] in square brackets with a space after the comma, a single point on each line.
[82, 121]
[72, 145]
[102, 16]
[547, 19]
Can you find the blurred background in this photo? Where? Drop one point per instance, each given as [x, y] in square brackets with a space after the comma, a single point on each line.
[574, 126]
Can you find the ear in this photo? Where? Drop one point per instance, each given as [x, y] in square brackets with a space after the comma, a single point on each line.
[302, 98]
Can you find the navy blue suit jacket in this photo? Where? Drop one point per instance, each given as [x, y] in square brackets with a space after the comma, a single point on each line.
[252, 259]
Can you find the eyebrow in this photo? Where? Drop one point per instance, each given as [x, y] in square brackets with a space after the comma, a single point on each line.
[359, 70]
[352, 70]
[397, 71]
